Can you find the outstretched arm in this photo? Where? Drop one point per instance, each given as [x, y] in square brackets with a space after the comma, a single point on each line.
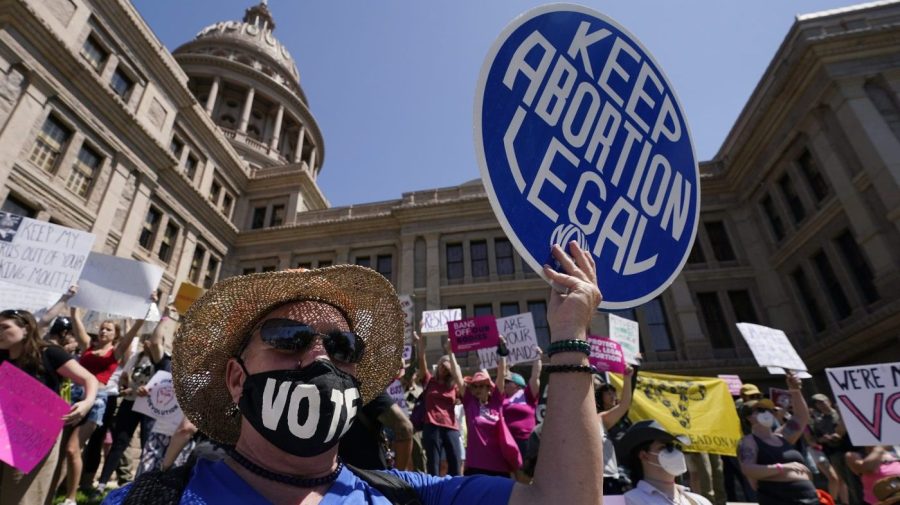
[56, 309]
[570, 462]
[794, 428]
[78, 331]
[534, 383]
[611, 417]
[419, 342]
[454, 367]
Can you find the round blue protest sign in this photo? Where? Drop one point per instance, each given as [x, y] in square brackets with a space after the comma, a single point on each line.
[580, 136]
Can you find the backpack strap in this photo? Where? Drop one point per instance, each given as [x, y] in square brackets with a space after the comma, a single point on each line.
[395, 489]
[159, 486]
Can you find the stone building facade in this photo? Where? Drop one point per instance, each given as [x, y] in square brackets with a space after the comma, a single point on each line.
[204, 161]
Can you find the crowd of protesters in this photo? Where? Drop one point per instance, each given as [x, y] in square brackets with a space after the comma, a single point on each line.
[448, 424]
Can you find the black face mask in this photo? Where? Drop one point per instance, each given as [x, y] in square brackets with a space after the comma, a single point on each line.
[303, 412]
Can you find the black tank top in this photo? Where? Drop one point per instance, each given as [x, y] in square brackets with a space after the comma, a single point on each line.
[770, 455]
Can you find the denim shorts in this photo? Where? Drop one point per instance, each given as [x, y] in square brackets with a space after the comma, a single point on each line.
[96, 413]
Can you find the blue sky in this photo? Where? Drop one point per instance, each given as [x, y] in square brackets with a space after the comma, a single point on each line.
[391, 82]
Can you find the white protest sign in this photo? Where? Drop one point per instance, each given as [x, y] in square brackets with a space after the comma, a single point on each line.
[869, 399]
[14, 296]
[774, 370]
[117, 285]
[161, 403]
[435, 321]
[409, 313]
[627, 333]
[398, 393]
[771, 347]
[521, 339]
[41, 255]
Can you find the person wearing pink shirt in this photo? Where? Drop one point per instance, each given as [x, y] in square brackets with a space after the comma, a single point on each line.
[521, 402]
[873, 464]
[441, 433]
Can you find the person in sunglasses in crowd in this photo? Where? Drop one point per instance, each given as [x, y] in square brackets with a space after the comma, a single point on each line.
[22, 346]
[655, 458]
[276, 365]
[769, 457]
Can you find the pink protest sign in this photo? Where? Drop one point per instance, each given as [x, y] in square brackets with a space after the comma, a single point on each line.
[475, 333]
[780, 397]
[734, 384]
[30, 418]
[606, 355]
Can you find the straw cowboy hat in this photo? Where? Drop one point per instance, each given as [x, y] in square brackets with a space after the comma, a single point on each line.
[218, 324]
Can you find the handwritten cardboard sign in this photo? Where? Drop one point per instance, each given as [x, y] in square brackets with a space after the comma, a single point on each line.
[409, 316]
[734, 384]
[41, 255]
[774, 370]
[606, 354]
[868, 397]
[161, 403]
[434, 322]
[30, 418]
[15, 296]
[521, 339]
[407, 352]
[627, 333]
[398, 393]
[771, 347]
[474, 333]
[117, 285]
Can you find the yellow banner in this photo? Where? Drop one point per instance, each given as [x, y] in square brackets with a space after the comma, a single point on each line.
[699, 407]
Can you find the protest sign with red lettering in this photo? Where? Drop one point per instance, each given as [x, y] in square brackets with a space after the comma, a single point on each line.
[606, 354]
[869, 399]
[475, 333]
[734, 384]
[30, 418]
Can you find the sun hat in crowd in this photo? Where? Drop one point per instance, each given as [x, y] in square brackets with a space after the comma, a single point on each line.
[819, 397]
[218, 324]
[750, 389]
[646, 431]
[516, 379]
[478, 377]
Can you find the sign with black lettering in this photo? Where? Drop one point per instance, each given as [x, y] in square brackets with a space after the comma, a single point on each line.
[41, 255]
[521, 340]
[869, 399]
[579, 136]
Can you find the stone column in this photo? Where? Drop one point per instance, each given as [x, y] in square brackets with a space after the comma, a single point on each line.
[245, 113]
[341, 255]
[696, 344]
[25, 113]
[298, 151]
[284, 261]
[108, 205]
[312, 160]
[183, 269]
[406, 265]
[134, 222]
[875, 144]
[871, 239]
[213, 95]
[276, 131]
[433, 271]
[207, 174]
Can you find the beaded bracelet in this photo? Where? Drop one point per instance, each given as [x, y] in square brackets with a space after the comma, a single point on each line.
[573, 345]
[570, 369]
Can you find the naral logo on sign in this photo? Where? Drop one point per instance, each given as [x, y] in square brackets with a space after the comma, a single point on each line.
[579, 136]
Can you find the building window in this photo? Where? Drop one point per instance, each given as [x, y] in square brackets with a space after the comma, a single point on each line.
[248, 271]
[227, 204]
[151, 225]
[259, 218]
[455, 270]
[809, 301]
[214, 191]
[120, 83]
[832, 286]
[483, 310]
[364, 261]
[859, 267]
[505, 262]
[742, 306]
[384, 265]
[196, 264]
[278, 212]
[718, 238]
[793, 200]
[324, 263]
[813, 176]
[527, 270]
[168, 242]
[716, 326]
[771, 213]
[696, 256]
[49, 144]
[175, 147]
[15, 206]
[190, 166]
[82, 176]
[269, 268]
[479, 255]
[509, 309]
[305, 265]
[658, 325]
[538, 309]
[93, 52]
[212, 272]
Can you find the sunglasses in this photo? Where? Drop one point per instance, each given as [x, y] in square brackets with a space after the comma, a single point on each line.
[287, 334]
[755, 411]
[673, 445]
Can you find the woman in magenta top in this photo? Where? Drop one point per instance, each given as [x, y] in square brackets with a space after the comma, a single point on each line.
[521, 401]
[483, 403]
[440, 435]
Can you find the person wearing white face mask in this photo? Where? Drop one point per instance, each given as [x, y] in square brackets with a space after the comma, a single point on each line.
[656, 460]
[769, 458]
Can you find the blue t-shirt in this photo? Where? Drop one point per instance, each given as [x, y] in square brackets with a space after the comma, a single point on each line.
[215, 483]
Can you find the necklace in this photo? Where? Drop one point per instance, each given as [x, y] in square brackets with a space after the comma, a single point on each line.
[286, 479]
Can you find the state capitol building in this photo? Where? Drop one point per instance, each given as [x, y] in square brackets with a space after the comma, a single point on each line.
[204, 161]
